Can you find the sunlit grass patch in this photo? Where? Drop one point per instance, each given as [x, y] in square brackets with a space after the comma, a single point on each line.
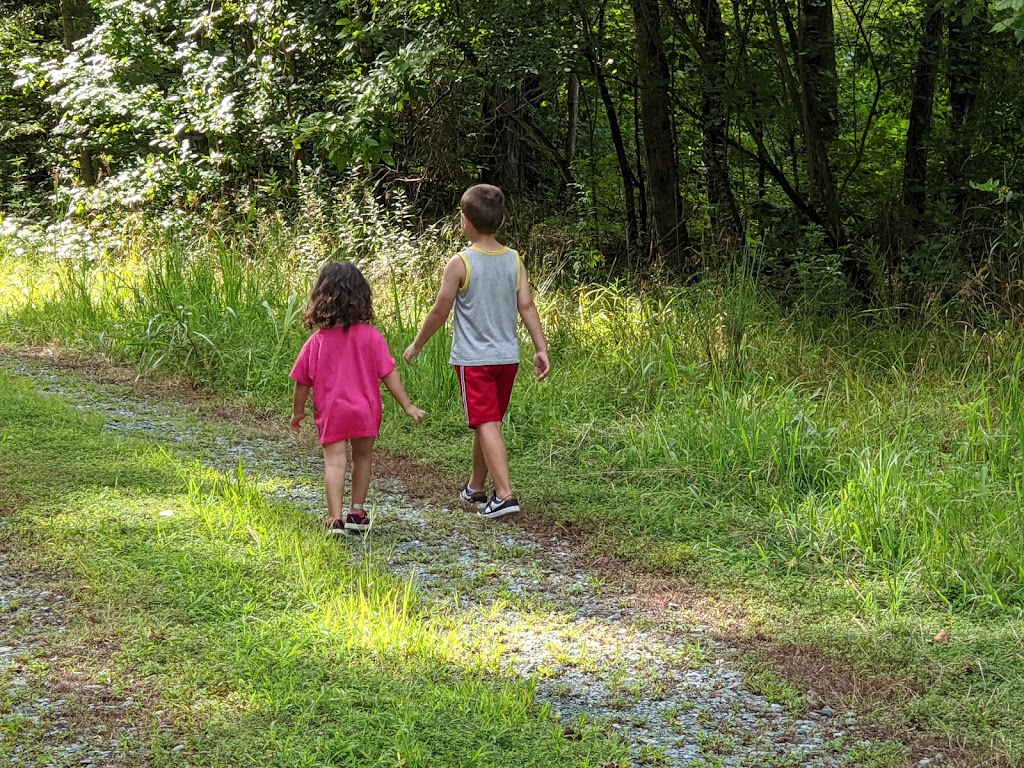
[855, 470]
[267, 643]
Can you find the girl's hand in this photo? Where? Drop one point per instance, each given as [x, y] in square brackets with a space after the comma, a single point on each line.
[297, 422]
[415, 413]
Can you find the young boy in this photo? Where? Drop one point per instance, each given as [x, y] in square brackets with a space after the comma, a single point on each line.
[486, 283]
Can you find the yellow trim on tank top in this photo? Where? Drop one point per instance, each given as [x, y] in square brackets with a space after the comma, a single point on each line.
[506, 249]
[469, 271]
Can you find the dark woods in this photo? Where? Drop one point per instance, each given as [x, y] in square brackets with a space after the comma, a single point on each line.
[870, 146]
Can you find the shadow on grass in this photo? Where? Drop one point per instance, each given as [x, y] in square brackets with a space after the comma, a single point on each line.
[269, 645]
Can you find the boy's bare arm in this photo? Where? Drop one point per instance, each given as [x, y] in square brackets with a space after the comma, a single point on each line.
[531, 319]
[454, 277]
[299, 405]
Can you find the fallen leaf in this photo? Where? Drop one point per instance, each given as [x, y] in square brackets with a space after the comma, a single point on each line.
[151, 635]
[942, 637]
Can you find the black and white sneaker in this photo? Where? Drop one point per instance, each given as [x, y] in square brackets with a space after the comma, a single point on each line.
[496, 507]
[336, 527]
[479, 498]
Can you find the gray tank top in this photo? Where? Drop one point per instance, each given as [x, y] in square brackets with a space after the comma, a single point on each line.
[487, 309]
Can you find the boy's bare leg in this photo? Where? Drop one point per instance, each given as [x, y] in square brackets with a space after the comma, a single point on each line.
[492, 445]
[335, 460]
[478, 480]
[362, 468]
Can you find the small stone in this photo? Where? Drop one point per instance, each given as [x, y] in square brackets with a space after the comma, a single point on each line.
[827, 712]
[673, 606]
[924, 761]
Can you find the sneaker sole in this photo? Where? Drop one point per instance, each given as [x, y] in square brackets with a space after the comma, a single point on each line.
[356, 528]
[335, 531]
[499, 513]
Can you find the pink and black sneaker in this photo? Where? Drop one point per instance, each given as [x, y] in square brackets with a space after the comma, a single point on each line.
[357, 520]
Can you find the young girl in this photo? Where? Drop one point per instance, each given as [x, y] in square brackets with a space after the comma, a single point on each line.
[343, 363]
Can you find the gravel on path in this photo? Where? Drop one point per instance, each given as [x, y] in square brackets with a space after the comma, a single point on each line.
[672, 692]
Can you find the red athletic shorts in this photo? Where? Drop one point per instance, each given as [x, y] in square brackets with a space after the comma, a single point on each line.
[486, 390]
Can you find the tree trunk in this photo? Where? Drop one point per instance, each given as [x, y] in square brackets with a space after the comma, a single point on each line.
[824, 193]
[824, 196]
[505, 167]
[965, 70]
[641, 182]
[818, 53]
[628, 180]
[724, 215]
[669, 232]
[919, 129]
[573, 105]
[296, 156]
[86, 170]
[368, 50]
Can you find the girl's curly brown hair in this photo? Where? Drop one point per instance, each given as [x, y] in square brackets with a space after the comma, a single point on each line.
[341, 296]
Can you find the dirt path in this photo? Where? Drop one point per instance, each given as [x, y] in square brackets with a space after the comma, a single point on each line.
[676, 695]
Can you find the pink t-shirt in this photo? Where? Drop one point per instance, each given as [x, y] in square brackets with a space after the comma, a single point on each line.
[345, 368]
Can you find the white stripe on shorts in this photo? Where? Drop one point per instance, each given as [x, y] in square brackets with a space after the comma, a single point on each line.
[465, 400]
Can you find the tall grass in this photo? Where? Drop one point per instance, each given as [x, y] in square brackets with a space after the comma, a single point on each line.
[887, 450]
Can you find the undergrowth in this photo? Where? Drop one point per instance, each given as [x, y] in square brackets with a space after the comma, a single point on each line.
[860, 465]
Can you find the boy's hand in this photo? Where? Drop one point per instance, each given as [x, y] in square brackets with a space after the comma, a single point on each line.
[297, 422]
[411, 352]
[415, 413]
[541, 365]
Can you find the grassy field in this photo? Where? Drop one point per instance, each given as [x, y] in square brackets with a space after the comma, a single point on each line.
[258, 642]
[853, 481]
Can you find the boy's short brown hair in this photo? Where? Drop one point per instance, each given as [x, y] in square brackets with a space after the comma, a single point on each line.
[484, 206]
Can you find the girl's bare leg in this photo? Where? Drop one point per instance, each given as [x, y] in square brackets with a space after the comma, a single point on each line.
[335, 461]
[362, 468]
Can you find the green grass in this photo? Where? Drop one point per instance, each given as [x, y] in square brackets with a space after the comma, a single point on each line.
[853, 480]
[268, 645]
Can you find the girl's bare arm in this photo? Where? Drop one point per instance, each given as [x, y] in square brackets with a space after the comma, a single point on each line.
[394, 384]
[299, 405]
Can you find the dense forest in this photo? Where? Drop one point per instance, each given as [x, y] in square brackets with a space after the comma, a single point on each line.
[777, 247]
[867, 142]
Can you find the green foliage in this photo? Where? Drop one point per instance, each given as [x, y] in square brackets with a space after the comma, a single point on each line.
[26, 30]
[1013, 20]
[178, 102]
[177, 106]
